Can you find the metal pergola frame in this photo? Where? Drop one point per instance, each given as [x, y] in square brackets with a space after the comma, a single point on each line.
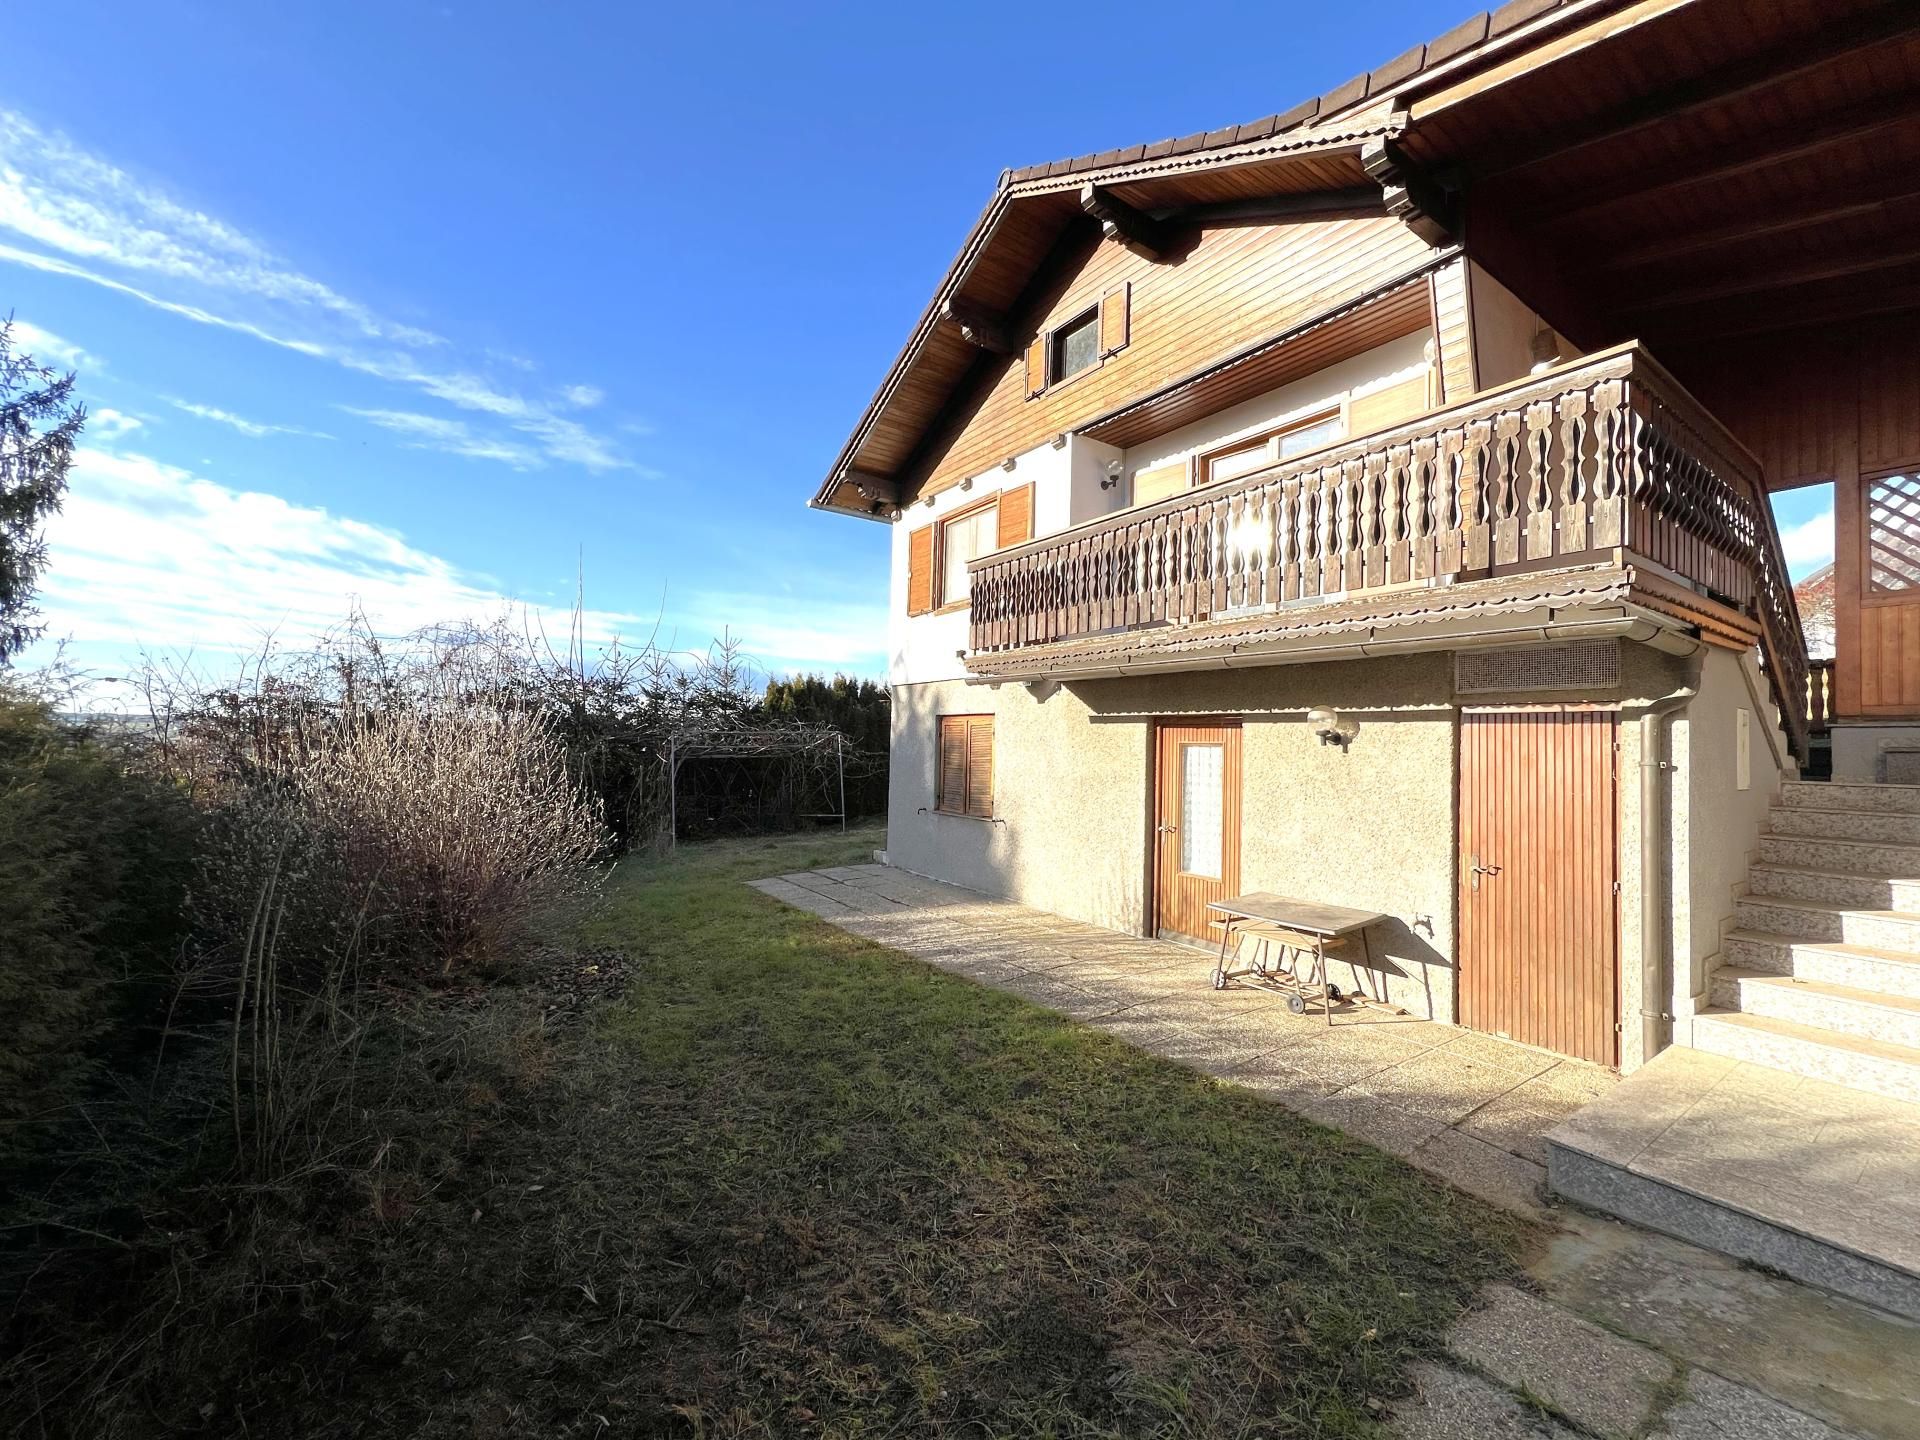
[722, 741]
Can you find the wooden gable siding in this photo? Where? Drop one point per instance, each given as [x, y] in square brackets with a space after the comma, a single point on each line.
[1453, 333]
[1235, 287]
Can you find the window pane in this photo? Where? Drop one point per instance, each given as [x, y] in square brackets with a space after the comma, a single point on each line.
[1202, 823]
[1240, 462]
[1076, 347]
[965, 539]
[1310, 437]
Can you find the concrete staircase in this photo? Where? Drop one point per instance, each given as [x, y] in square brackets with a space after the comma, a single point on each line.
[1821, 976]
[1784, 1126]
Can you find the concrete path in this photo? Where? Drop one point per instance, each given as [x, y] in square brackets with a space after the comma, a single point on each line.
[1632, 1338]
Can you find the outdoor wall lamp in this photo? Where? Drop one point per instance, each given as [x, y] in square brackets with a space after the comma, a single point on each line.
[1114, 467]
[1332, 727]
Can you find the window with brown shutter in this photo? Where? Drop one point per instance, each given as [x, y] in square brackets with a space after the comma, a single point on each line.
[1036, 366]
[1016, 516]
[920, 571]
[964, 783]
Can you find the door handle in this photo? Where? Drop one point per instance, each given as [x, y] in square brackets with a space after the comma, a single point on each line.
[1476, 870]
[1166, 829]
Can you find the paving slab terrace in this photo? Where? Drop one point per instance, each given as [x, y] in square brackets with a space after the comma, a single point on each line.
[1695, 1345]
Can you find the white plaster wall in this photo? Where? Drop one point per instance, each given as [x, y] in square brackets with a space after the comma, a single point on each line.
[1373, 370]
[925, 648]
[1371, 827]
[1503, 331]
[1716, 824]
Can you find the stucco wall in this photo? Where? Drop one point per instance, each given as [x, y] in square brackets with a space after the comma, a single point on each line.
[1503, 331]
[1717, 823]
[1371, 827]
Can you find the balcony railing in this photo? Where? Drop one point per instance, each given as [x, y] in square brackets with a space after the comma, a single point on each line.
[1607, 454]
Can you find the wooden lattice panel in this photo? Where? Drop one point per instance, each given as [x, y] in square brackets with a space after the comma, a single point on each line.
[1893, 533]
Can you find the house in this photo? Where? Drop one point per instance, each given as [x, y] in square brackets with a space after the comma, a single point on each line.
[1437, 417]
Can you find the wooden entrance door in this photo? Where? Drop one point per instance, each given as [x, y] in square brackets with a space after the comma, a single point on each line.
[1196, 824]
[1539, 942]
[1889, 596]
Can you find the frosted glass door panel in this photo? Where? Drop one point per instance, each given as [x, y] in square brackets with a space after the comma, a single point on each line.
[1203, 773]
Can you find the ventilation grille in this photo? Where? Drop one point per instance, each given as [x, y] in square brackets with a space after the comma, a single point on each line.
[1582, 665]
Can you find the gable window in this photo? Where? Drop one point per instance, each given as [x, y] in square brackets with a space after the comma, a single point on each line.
[964, 782]
[964, 538]
[1076, 347]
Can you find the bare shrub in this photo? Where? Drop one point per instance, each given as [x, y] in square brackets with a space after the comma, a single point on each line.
[459, 816]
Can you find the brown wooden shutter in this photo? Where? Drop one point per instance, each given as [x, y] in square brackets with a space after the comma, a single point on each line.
[950, 785]
[920, 571]
[1016, 516]
[1115, 321]
[1037, 365]
[980, 766]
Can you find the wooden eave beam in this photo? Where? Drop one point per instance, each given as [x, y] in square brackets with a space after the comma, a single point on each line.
[1145, 236]
[1832, 43]
[1411, 196]
[1682, 243]
[1310, 205]
[1739, 318]
[1664, 182]
[879, 491]
[979, 326]
[1757, 281]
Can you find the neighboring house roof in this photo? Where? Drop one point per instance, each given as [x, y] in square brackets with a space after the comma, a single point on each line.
[1313, 148]
[1814, 596]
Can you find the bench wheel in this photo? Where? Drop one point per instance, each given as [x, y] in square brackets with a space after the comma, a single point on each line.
[1219, 979]
[1334, 995]
[1297, 1004]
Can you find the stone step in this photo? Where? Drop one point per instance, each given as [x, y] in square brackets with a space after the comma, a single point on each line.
[1885, 972]
[1821, 922]
[1835, 887]
[1885, 826]
[1851, 795]
[1843, 1009]
[1856, 857]
[1754, 1164]
[1850, 1060]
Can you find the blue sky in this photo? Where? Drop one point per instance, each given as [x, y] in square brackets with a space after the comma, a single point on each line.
[424, 304]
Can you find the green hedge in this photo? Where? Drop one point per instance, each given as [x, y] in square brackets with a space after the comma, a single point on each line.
[95, 860]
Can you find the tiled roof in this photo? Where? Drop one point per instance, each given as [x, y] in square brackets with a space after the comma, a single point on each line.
[1488, 25]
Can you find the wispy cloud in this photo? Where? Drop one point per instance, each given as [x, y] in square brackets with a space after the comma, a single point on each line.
[150, 554]
[106, 423]
[82, 217]
[1808, 545]
[832, 634]
[48, 348]
[452, 437]
[255, 428]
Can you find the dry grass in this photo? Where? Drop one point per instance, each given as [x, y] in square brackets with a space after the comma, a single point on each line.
[792, 1183]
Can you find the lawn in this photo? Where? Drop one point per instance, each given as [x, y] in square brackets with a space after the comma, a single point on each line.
[826, 1187]
[726, 1170]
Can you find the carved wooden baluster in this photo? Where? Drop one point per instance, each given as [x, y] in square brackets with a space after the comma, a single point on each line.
[1353, 519]
[1310, 533]
[1449, 481]
[1540, 478]
[1399, 516]
[1331, 577]
[1287, 540]
[1505, 475]
[1426, 480]
[1575, 504]
[1607, 510]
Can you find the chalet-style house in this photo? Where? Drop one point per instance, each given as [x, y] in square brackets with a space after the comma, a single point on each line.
[1371, 503]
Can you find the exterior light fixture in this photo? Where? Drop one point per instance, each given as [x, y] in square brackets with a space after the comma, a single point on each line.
[1114, 467]
[1332, 727]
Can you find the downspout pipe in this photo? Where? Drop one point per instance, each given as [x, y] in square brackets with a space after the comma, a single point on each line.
[1656, 831]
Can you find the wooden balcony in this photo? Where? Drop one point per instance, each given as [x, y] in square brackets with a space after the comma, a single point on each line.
[1606, 460]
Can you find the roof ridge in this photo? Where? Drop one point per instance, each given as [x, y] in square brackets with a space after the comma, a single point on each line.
[1469, 34]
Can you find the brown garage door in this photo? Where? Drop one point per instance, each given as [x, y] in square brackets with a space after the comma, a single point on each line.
[1539, 942]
